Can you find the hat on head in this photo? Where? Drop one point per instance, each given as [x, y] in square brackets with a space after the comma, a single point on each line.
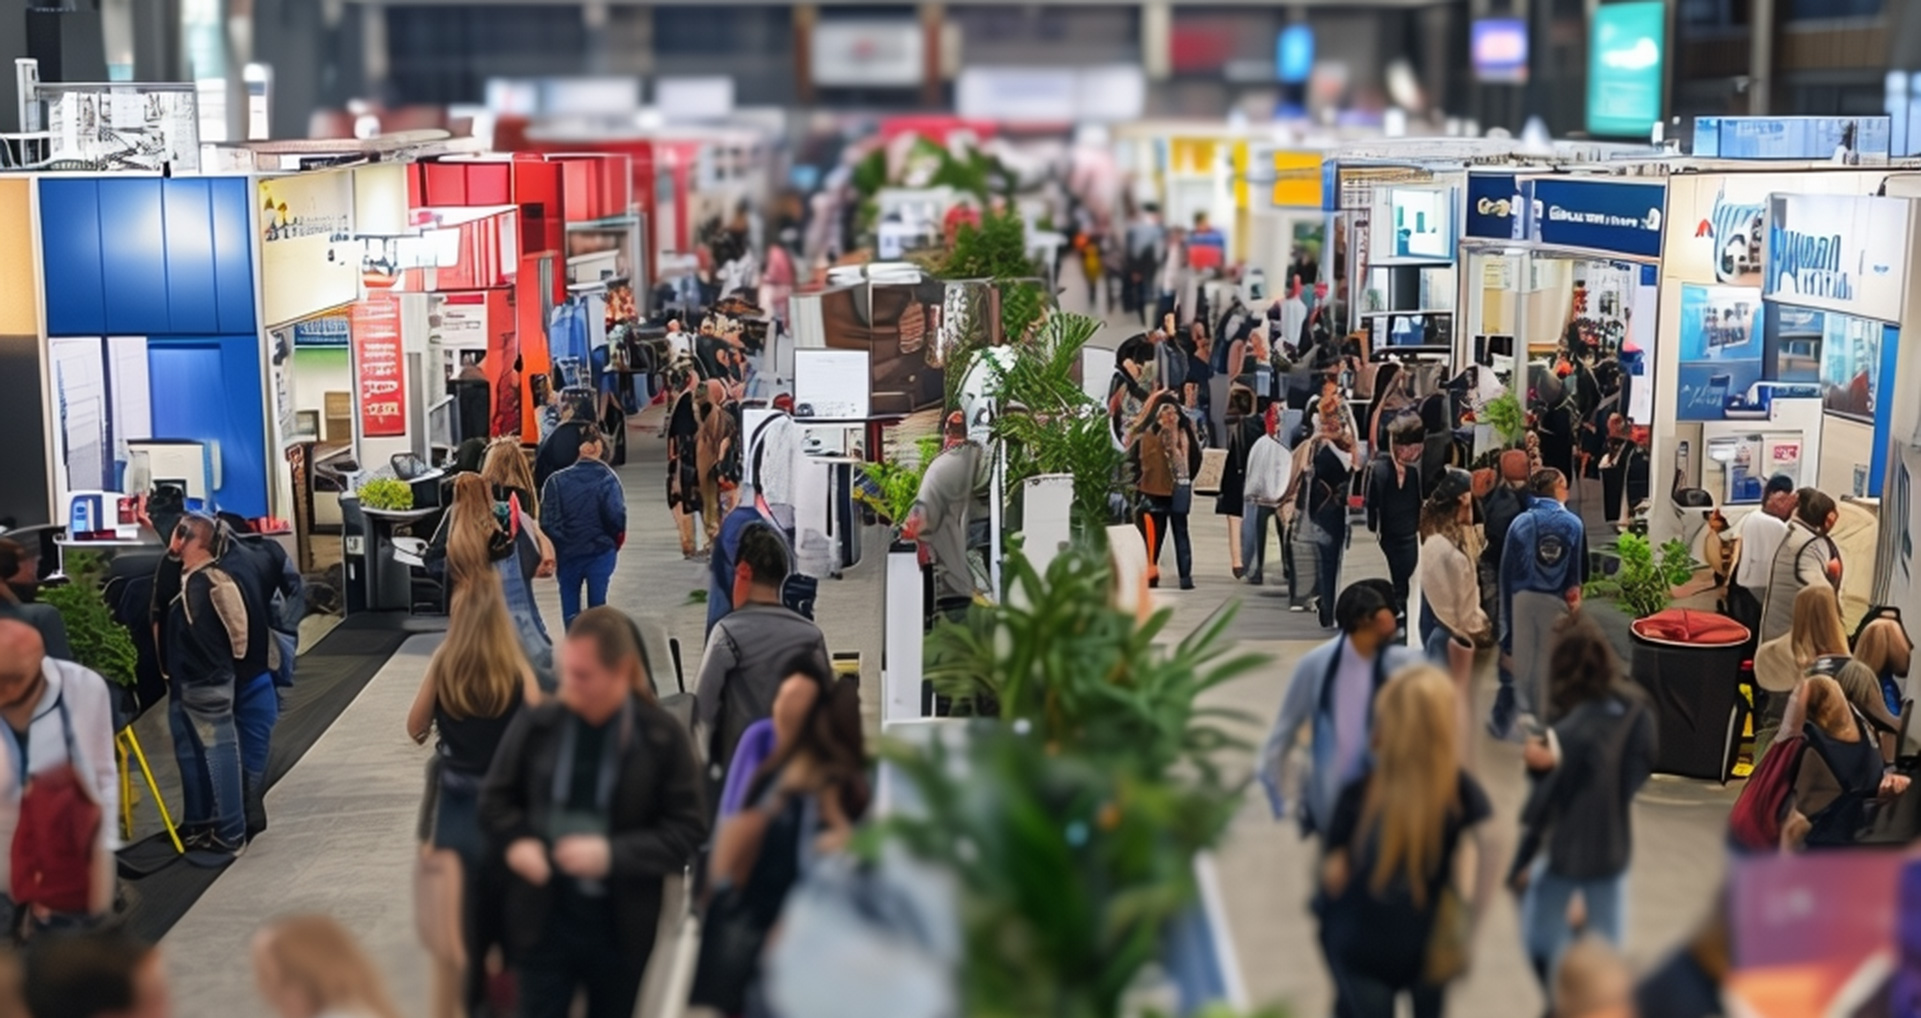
[1453, 483]
[1779, 484]
[1514, 466]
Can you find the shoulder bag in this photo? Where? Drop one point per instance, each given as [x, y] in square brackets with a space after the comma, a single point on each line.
[56, 851]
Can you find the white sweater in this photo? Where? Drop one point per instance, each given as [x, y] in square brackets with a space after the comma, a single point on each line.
[89, 706]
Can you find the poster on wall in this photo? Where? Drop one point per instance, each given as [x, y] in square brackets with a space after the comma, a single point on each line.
[1721, 350]
[377, 367]
[1843, 253]
[1851, 367]
[309, 259]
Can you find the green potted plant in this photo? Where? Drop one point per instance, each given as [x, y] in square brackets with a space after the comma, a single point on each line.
[1644, 584]
[1071, 823]
[386, 494]
[98, 642]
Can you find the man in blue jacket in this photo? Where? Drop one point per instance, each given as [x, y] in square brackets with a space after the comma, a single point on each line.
[584, 513]
[1333, 688]
[1543, 567]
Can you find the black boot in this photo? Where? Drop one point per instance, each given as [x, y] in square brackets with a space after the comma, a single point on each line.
[253, 789]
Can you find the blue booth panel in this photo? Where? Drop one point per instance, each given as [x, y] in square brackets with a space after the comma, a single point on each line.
[70, 250]
[133, 256]
[147, 256]
[190, 258]
[208, 389]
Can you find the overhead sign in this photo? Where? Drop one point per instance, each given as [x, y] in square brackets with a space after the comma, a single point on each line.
[1492, 206]
[1865, 138]
[1347, 186]
[1620, 216]
[309, 259]
[869, 52]
[1499, 50]
[378, 375]
[1839, 253]
[1627, 54]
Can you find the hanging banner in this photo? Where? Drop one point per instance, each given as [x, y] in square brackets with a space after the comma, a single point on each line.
[1598, 215]
[1838, 253]
[377, 367]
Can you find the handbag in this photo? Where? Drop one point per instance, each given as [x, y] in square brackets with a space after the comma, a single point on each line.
[1450, 941]
[57, 851]
[1183, 498]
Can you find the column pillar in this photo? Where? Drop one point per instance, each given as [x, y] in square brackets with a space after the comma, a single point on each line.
[373, 48]
[805, 17]
[932, 15]
[1157, 34]
[1761, 22]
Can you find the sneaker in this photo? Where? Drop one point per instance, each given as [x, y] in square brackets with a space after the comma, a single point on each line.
[213, 853]
[1187, 583]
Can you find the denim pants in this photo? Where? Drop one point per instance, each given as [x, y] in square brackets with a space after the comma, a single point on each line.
[1362, 996]
[206, 744]
[1317, 554]
[1255, 519]
[1544, 927]
[255, 712]
[572, 572]
[1531, 630]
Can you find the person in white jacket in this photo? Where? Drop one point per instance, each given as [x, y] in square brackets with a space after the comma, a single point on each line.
[1270, 468]
[56, 712]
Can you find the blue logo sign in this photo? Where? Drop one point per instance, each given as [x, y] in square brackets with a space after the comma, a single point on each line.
[1808, 264]
[1491, 206]
[1599, 215]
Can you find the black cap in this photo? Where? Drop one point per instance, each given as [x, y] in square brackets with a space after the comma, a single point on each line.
[1779, 484]
[1453, 483]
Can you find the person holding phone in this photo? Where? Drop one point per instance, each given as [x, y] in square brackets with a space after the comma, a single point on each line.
[1587, 762]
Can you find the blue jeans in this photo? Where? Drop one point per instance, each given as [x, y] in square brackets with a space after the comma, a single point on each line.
[1436, 647]
[1255, 520]
[1544, 927]
[206, 744]
[255, 711]
[572, 572]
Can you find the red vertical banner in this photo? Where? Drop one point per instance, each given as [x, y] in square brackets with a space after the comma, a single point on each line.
[378, 378]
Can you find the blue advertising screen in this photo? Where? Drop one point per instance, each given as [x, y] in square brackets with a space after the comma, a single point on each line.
[1499, 49]
[1721, 349]
[1627, 54]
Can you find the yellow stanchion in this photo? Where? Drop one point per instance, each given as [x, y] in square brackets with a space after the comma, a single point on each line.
[127, 747]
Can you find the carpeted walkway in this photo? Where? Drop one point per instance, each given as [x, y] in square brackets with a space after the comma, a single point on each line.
[328, 678]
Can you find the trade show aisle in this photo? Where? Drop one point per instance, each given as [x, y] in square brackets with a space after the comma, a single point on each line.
[342, 839]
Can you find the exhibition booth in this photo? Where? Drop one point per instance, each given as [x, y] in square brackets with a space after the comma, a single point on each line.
[1560, 290]
[1743, 372]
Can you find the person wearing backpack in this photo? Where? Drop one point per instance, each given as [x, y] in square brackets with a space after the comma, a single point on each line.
[1838, 775]
[1806, 556]
[1576, 834]
[59, 725]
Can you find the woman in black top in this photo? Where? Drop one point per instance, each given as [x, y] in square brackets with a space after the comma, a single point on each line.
[1392, 864]
[476, 683]
[804, 803]
[683, 473]
[1243, 430]
[1575, 831]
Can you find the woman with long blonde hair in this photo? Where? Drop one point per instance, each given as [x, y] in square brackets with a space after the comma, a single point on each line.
[1816, 644]
[481, 535]
[310, 967]
[476, 683]
[506, 469]
[1839, 775]
[1394, 857]
[1883, 646]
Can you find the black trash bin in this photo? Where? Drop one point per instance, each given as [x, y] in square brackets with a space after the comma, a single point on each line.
[1690, 664]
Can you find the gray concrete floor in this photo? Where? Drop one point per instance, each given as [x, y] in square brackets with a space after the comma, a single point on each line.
[343, 841]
